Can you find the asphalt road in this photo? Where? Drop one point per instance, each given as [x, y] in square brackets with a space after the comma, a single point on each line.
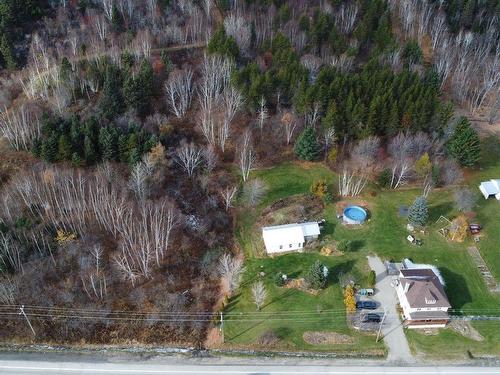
[10, 367]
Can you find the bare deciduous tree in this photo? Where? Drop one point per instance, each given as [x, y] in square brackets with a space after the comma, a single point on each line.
[10, 253]
[262, 113]
[189, 157]
[230, 269]
[239, 29]
[138, 181]
[92, 273]
[210, 157]
[8, 290]
[259, 294]
[179, 90]
[246, 155]
[328, 137]
[228, 194]
[20, 127]
[253, 191]
[289, 122]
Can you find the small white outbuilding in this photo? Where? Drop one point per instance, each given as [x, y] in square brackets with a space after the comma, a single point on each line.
[289, 237]
[490, 189]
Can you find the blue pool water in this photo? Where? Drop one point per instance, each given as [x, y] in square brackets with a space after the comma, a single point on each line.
[354, 215]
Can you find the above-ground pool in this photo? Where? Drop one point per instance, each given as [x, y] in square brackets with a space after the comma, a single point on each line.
[354, 215]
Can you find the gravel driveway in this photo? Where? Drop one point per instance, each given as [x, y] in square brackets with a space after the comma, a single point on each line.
[392, 329]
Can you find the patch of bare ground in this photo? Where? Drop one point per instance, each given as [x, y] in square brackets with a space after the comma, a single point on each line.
[300, 284]
[331, 251]
[214, 338]
[269, 339]
[466, 329]
[429, 331]
[293, 209]
[326, 338]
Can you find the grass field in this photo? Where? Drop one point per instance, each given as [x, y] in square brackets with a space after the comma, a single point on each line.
[385, 234]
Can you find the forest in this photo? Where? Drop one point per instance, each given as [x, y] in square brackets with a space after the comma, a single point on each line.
[131, 128]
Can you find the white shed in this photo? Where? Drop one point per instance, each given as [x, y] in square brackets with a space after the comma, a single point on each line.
[289, 237]
[490, 189]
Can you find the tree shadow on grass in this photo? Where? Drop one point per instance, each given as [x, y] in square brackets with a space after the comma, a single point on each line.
[456, 288]
[232, 302]
[338, 269]
[283, 332]
[288, 293]
[252, 326]
[490, 146]
[328, 228]
[357, 245]
[438, 210]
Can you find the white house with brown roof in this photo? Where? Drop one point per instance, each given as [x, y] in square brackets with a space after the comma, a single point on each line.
[423, 300]
[289, 237]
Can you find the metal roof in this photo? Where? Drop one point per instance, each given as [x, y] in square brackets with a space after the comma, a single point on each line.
[289, 233]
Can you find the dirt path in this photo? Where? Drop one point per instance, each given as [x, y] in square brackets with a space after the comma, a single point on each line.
[489, 279]
[392, 329]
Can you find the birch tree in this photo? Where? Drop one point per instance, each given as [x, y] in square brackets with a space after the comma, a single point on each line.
[246, 155]
[179, 90]
[230, 269]
[228, 194]
[189, 157]
[20, 127]
[259, 294]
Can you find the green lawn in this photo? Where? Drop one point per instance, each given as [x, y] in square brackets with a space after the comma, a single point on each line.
[448, 344]
[384, 234]
[288, 313]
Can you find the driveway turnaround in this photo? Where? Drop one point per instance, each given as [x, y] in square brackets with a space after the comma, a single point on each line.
[392, 328]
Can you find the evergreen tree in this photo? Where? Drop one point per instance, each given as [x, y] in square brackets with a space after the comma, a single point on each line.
[49, 148]
[465, 145]
[76, 161]
[117, 20]
[306, 147]
[65, 69]
[7, 52]
[111, 100]
[223, 44]
[418, 212]
[127, 59]
[64, 148]
[89, 150]
[317, 277]
[108, 143]
[138, 90]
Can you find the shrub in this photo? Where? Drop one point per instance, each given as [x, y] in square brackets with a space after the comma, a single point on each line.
[384, 178]
[332, 155]
[319, 188]
[317, 275]
[349, 299]
[344, 245]
[280, 279]
[371, 279]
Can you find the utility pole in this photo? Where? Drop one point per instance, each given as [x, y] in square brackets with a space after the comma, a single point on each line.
[380, 326]
[21, 312]
[222, 325]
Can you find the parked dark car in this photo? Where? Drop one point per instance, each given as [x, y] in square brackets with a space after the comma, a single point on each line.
[371, 318]
[367, 305]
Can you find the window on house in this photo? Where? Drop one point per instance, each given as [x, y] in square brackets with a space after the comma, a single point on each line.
[290, 245]
[281, 247]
